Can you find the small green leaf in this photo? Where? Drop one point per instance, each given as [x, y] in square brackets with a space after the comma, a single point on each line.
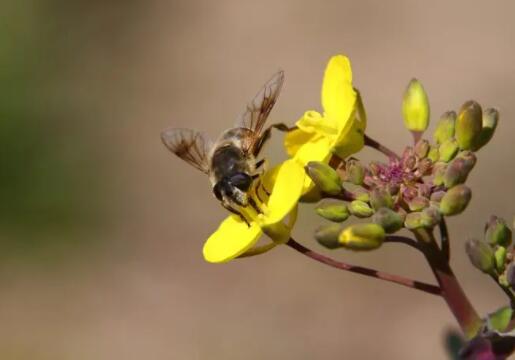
[500, 319]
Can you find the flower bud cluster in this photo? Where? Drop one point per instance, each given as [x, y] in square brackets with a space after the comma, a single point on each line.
[494, 254]
[414, 190]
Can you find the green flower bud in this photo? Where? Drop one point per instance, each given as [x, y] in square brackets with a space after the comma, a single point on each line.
[438, 172]
[325, 177]
[448, 150]
[418, 203]
[355, 172]
[469, 125]
[497, 232]
[380, 198]
[434, 154]
[360, 209]
[427, 218]
[360, 237]
[480, 255]
[499, 321]
[503, 280]
[500, 258]
[459, 169]
[361, 195]
[422, 148]
[490, 120]
[336, 212]
[414, 221]
[455, 200]
[327, 236]
[431, 217]
[415, 107]
[437, 196]
[389, 220]
[445, 127]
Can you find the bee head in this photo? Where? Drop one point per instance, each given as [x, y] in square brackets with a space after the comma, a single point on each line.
[234, 189]
[241, 180]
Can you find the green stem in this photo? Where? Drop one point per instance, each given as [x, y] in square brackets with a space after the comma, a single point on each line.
[452, 292]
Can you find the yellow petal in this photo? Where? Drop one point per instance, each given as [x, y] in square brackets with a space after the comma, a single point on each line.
[338, 95]
[286, 191]
[352, 137]
[313, 122]
[258, 250]
[295, 139]
[317, 149]
[351, 140]
[232, 239]
[278, 232]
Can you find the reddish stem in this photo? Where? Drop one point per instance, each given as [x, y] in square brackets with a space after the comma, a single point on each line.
[381, 148]
[414, 284]
[452, 292]
[438, 260]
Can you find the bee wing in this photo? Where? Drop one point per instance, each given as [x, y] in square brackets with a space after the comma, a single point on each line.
[257, 111]
[190, 145]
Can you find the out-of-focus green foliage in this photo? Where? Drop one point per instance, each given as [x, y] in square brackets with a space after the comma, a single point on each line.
[50, 170]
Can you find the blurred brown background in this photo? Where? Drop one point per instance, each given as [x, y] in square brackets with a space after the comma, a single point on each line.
[101, 228]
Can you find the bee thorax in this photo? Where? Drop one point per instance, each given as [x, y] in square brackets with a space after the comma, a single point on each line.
[228, 160]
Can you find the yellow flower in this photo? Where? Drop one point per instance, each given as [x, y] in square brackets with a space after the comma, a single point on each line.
[234, 237]
[340, 129]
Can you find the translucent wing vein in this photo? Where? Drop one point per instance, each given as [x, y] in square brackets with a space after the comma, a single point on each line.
[190, 145]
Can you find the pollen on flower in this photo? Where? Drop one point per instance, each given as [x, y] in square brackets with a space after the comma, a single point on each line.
[404, 174]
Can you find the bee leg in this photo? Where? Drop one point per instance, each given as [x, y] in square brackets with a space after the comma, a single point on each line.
[283, 127]
[259, 164]
[265, 136]
[254, 205]
[236, 212]
[262, 141]
[258, 185]
[264, 189]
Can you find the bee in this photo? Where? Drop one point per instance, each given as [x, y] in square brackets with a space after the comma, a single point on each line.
[231, 162]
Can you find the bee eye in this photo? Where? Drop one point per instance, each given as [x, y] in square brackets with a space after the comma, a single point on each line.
[241, 180]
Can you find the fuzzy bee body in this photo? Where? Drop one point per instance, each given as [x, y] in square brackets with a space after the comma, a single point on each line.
[231, 174]
[228, 157]
[230, 162]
